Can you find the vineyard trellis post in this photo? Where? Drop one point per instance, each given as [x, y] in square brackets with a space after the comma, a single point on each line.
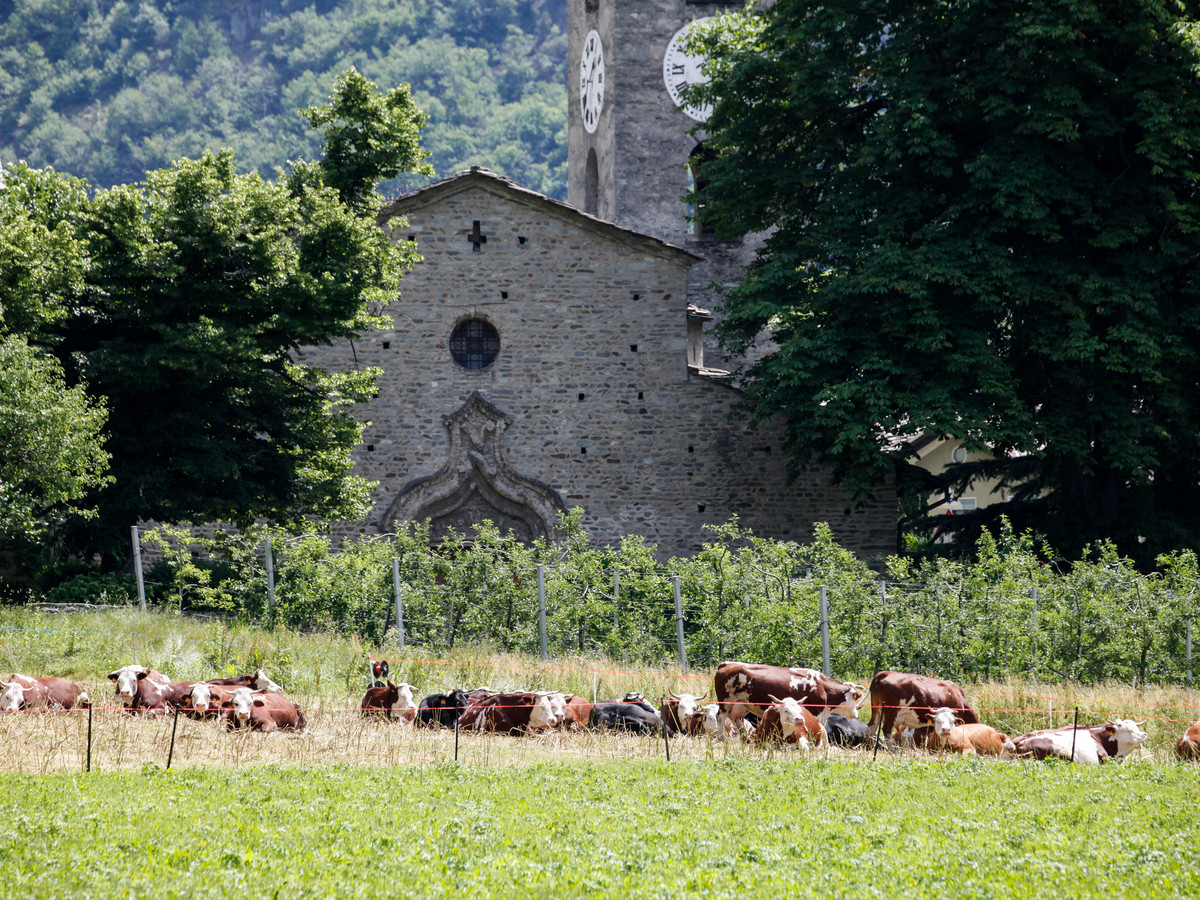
[137, 568]
[679, 624]
[541, 590]
[825, 669]
[270, 560]
[399, 601]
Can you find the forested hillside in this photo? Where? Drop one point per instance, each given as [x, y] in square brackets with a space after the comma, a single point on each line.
[108, 89]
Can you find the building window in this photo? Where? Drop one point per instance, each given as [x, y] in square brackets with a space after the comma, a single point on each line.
[474, 344]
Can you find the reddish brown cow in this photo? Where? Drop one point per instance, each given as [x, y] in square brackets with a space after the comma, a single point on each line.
[949, 733]
[747, 688]
[258, 711]
[28, 692]
[909, 701]
[205, 699]
[392, 701]
[143, 691]
[788, 722]
[513, 712]
[576, 714]
[1189, 745]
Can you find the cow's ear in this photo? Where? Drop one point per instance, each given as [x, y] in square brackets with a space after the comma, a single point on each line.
[1110, 729]
[958, 720]
[142, 674]
[112, 676]
[260, 702]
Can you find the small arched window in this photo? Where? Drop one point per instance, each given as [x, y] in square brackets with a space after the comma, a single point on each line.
[591, 185]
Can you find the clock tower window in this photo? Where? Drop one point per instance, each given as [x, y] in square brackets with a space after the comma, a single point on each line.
[591, 185]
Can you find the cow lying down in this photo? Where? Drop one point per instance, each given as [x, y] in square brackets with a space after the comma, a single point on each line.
[1093, 744]
[949, 733]
[787, 722]
[27, 692]
[261, 711]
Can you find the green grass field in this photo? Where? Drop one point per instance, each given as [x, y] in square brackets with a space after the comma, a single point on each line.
[795, 828]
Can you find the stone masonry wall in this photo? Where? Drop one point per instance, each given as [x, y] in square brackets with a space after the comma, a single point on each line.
[592, 368]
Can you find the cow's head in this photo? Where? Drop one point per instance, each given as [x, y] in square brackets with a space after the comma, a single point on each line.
[710, 718]
[1127, 733]
[127, 678]
[543, 715]
[402, 699]
[260, 682]
[791, 716]
[686, 706]
[241, 702]
[201, 697]
[13, 696]
[944, 720]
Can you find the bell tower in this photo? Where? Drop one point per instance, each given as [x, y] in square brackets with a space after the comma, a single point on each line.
[628, 146]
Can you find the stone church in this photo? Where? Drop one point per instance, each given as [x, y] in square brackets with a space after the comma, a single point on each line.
[549, 355]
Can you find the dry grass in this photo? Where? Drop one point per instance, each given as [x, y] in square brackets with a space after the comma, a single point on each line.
[39, 743]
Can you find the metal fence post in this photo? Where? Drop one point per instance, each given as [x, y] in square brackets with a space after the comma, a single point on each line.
[679, 623]
[270, 575]
[541, 589]
[399, 600]
[137, 568]
[824, 631]
[1033, 595]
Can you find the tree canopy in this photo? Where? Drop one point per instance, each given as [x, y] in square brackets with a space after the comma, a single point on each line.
[181, 305]
[982, 223]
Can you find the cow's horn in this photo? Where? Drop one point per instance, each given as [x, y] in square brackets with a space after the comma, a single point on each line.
[672, 695]
[703, 698]
[773, 698]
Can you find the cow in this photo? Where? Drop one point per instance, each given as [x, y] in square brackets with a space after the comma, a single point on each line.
[576, 713]
[511, 712]
[442, 710]
[948, 732]
[262, 711]
[901, 700]
[787, 721]
[177, 692]
[141, 690]
[392, 701]
[1189, 745]
[630, 713]
[1092, 744]
[743, 688]
[205, 700]
[847, 732]
[677, 711]
[27, 692]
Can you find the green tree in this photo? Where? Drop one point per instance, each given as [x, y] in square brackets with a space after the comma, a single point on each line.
[202, 286]
[50, 434]
[982, 222]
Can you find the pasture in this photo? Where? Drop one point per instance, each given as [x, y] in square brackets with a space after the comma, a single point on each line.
[630, 828]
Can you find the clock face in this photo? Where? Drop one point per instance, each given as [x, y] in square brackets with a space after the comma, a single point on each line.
[681, 70]
[591, 81]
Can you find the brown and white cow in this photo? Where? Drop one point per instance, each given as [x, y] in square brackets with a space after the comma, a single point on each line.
[28, 692]
[786, 721]
[904, 700]
[257, 680]
[392, 702]
[142, 690]
[949, 733]
[205, 699]
[708, 721]
[678, 711]
[510, 712]
[261, 711]
[743, 688]
[1092, 744]
[575, 713]
[1189, 745]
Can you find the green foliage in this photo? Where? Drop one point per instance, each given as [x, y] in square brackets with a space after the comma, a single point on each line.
[1006, 614]
[631, 829]
[103, 590]
[108, 91]
[984, 223]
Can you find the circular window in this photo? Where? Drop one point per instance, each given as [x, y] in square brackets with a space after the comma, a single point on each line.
[474, 344]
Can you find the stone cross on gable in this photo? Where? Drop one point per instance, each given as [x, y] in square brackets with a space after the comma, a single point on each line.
[476, 237]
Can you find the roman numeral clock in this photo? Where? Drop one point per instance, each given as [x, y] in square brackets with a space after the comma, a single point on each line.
[680, 71]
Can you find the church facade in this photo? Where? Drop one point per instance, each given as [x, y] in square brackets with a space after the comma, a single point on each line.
[545, 356]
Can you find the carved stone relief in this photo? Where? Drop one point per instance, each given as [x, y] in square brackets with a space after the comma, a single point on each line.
[477, 483]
